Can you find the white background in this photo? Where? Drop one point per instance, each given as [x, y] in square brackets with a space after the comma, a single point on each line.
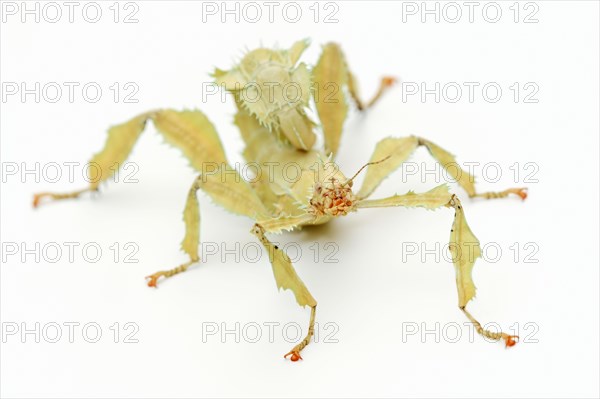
[372, 290]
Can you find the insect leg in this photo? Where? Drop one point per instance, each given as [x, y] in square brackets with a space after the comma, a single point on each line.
[120, 142]
[399, 149]
[509, 340]
[466, 181]
[286, 278]
[190, 131]
[330, 76]
[191, 240]
[385, 83]
[226, 188]
[464, 246]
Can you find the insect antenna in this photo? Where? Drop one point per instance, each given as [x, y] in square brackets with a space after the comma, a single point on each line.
[364, 166]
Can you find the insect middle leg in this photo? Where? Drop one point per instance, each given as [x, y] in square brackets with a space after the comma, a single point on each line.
[226, 188]
[398, 150]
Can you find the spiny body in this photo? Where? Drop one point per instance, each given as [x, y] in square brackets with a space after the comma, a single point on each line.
[297, 184]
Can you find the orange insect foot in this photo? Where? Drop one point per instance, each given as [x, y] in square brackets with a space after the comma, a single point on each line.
[511, 340]
[521, 192]
[37, 199]
[295, 356]
[153, 280]
[389, 81]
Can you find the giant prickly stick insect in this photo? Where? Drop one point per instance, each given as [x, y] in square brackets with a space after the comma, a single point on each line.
[277, 131]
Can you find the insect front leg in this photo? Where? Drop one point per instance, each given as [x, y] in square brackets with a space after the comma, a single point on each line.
[399, 149]
[286, 278]
[462, 240]
[464, 246]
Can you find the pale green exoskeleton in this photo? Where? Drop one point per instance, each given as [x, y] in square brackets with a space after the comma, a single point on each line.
[274, 93]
